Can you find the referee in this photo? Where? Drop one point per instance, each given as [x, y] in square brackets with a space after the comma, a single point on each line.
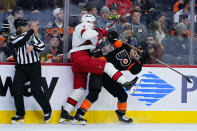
[28, 46]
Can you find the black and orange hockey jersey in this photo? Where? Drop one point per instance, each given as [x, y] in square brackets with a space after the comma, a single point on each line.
[120, 58]
[52, 27]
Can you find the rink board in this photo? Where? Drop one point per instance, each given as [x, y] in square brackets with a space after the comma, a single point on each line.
[163, 96]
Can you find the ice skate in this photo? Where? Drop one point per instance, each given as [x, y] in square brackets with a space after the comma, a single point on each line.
[78, 119]
[65, 117]
[47, 117]
[129, 85]
[122, 117]
[17, 119]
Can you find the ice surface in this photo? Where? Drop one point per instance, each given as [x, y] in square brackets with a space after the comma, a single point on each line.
[98, 127]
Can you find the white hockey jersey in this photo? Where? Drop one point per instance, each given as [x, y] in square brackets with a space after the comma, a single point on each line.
[84, 37]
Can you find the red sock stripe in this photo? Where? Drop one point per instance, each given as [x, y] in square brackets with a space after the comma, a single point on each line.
[71, 101]
[117, 75]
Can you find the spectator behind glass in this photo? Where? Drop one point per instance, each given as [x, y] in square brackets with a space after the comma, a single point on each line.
[104, 17]
[113, 16]
[158, 26]
[154, 48]
[139, 29]
[92, 9]
[76, 19]
[57, 27]
[127, 36]
[7, 5]
[146, 8]
[185, 10]
[55, 52]
[16, 13]
[98, 3]
[178, 6]
[176, 48]
[103, 22]
[5, 53]
[183, 18]
[114, 13]
[82, 12]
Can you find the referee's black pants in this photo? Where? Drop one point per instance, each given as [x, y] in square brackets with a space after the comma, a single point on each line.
[30, 72]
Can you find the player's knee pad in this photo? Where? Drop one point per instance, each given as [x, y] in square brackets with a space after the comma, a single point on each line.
[122, 96]
[92, 96]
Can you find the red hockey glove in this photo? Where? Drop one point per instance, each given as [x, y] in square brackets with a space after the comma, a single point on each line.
[102, 32]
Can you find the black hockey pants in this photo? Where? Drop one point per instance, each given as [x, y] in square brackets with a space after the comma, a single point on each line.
[30, 72]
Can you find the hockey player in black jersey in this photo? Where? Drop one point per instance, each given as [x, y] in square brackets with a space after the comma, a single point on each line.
[124, 57]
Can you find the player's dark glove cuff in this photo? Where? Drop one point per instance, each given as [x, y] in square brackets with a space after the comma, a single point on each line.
[97, 53]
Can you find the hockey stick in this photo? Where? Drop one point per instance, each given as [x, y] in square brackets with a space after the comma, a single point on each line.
[133, 89]
[136, 3]
[187, 78]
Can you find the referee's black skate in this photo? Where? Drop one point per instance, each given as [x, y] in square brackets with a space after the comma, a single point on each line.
[122, 117]
[65, 117]
[47, 117]
[78, 119]
[17, 119]
[129, 85]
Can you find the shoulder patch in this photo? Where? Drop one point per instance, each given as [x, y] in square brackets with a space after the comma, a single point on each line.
[50, 25]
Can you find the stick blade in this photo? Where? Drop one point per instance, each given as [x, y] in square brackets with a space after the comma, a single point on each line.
[188, 80]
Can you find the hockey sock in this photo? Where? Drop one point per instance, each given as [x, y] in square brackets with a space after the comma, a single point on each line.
[73, 99]
[122, 106]
[86, 104]
[114, 73]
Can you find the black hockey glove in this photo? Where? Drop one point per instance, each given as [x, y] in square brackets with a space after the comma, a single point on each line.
[129, 85]
[144, 56]
[112, 36]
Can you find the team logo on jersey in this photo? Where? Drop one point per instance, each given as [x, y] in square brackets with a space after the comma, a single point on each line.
[140, 30]
[50, 25]
[124, 58]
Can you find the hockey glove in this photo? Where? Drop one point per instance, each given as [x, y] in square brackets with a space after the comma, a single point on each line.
[129, 85]
[112, 36]
[144, 56]
[102, 32]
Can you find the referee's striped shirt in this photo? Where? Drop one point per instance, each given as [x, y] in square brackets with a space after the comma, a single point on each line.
[21, 42]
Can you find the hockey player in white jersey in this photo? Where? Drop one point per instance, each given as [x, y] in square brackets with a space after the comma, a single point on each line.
[85, 38]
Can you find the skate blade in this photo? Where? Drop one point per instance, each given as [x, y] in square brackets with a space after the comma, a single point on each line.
[126, 123]
[75, 122]
[65, 121]
[18, 122]
[133, 89]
